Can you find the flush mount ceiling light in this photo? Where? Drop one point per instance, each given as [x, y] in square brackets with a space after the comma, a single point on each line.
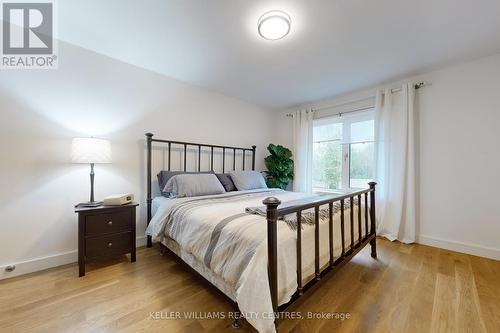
[274, 25]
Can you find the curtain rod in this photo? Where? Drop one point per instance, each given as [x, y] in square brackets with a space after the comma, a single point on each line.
[393, 90]
[340, 114]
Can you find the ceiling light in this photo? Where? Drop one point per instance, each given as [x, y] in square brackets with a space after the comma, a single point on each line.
[274, 25]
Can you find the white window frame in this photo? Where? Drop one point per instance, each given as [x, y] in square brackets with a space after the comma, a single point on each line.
[346, 120]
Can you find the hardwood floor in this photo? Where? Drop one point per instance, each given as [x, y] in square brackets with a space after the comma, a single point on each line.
[410, 288]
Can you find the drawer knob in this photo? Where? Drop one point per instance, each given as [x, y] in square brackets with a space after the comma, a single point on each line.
[110, 223]
[110, 244]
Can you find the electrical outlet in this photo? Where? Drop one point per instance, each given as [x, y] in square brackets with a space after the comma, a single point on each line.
[10, 268]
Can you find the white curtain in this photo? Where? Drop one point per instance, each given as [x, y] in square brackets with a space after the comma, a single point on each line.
[302, 150]
[395, 163]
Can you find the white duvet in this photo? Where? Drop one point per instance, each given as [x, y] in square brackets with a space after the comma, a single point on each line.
[232, 244]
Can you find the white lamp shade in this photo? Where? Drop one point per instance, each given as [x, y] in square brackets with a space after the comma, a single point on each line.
[90, 150]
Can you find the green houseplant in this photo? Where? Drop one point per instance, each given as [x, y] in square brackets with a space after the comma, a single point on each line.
[279, 165]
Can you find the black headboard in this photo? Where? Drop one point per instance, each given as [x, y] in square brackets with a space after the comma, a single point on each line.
[185, 145]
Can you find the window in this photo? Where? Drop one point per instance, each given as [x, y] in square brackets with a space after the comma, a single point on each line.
[343, 151]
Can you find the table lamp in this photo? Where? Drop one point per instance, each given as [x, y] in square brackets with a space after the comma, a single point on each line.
[90, 151]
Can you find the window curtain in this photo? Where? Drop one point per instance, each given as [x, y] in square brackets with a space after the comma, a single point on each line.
[302, 150]
[395, 163]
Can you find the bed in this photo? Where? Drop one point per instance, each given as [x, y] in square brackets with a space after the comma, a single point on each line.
[261, 248]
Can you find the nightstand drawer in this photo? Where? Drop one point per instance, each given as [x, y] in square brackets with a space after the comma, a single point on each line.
[108, 246]
[108, 223]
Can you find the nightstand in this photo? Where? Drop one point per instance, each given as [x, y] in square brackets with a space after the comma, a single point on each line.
[105, 232]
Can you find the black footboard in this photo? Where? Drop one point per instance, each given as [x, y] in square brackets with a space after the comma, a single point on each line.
[273, 213]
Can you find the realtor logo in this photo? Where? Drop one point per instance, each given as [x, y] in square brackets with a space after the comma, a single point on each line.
[27, 35]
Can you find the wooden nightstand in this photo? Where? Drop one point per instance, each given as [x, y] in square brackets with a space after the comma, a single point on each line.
[105, 232]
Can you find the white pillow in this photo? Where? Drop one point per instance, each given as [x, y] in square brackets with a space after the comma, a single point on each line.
[193, 185]
[247, 180]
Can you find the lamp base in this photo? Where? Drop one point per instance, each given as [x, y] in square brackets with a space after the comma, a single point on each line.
[89, 204]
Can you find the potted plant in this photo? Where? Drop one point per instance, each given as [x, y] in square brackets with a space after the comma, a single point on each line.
[279, 166]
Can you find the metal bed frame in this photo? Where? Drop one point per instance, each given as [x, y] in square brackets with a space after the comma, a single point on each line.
[274, 213]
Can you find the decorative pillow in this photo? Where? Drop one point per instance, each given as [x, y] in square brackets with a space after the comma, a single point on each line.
[226, 181]
[193, 185]
[247, 180]
[164, 176]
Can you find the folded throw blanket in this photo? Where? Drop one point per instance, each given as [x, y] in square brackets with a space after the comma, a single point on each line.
[307, 215]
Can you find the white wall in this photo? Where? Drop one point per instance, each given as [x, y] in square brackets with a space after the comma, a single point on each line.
[459, 159]
[94, 95]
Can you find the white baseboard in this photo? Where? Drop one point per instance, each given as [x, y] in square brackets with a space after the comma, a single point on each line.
[38, 264]
[141, 241]
[476, 250]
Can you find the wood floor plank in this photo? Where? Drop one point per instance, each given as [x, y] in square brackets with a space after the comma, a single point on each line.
[409, 288]
[469, 318]
[422, 292]
[444, 307]
[487, 281]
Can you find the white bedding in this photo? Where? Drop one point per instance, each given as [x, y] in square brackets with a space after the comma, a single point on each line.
[215, 230]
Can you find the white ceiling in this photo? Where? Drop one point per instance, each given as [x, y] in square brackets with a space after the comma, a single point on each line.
[335, 46]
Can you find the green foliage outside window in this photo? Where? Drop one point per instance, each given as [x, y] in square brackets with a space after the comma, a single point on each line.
[327, 166]
[362, 161]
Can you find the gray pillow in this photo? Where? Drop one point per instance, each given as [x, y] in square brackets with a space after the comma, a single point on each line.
[164, 176]
[247, 180]
[226, 181]
[193, 185]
